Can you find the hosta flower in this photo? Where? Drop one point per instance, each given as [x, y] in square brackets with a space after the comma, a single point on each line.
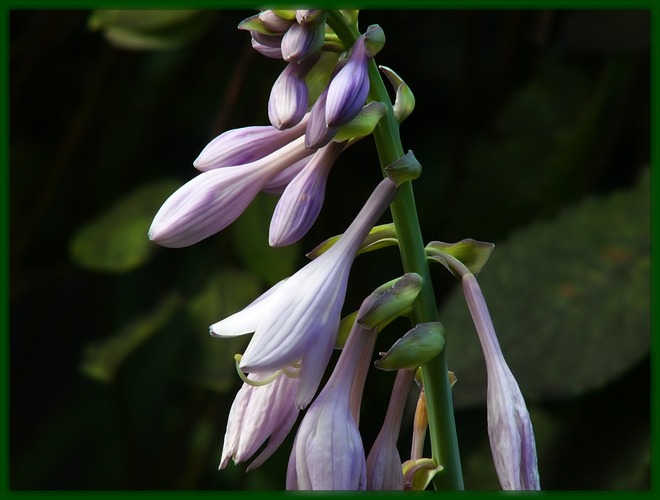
[384, 462]
[299, 317]
[509, 426]
[214, 199]
[288, 99]
[245, 145]
[259, 413]
[328, 453]
[302, 199]
[304, 40]
[349, 88]
[317, 133]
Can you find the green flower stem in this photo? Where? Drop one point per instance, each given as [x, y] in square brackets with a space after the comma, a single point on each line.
[444, 442]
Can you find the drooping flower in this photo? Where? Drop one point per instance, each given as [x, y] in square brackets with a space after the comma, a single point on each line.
[384, 470]
[328, 453]
[214, 199]
[298, 318]
[261, 412]
[510, 429]
[302, 199]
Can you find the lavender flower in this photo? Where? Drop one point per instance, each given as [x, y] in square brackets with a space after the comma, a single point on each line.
[384, 470]
[509, 426]
[348, 90]
[245, 145]
[259, 413]
[214, 199]
[302, 199]
[288, 99]
[303, 40]
[298, 318]
[317, 133]
[328, 453]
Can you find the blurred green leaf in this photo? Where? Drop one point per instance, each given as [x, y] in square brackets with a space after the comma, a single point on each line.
[250, 234]
[209, 361]
[101, 360]
[150, 29]
[116, 241]
[570, 300]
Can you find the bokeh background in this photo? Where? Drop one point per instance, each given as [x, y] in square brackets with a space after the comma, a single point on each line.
[533, 131]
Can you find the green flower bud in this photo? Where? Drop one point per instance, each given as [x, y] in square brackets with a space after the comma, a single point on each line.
[406, 168]
[416, 348]
[389, 301]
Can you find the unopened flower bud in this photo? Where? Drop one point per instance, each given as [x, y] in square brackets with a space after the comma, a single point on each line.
[288, 99]
[390, 301]
[416, 348]
[374, 39]
[310, 17]
[275, 23]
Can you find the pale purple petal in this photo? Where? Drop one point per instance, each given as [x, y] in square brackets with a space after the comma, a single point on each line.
[317, 133]
[301, 201]
[266, 50]
[244, 145]
[259, 413]
[278, 184]
[288, 99]
[509, 426]
[214, 199]
[348, 90]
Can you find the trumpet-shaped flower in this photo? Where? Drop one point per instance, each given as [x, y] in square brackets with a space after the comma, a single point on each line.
[302, 199]
[214, 199]
[259, 413]
[298, 318]
[328, 453]
[509, 426]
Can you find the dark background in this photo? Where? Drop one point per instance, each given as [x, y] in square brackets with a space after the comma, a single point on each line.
[520, 116]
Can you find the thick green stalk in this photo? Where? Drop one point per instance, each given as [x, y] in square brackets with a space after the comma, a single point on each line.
[444, 443]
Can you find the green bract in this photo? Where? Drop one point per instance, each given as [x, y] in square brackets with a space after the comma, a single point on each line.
[416, 348]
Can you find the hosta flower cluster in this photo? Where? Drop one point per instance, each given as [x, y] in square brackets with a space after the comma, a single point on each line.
[318, 107]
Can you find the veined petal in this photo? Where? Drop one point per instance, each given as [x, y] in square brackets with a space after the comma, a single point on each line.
[266, 50]
[278, 184]
[301, 201]
[302, 41]
[259, 413]
[214, 199]
[245, 145]
[317, 133]
[348, 90]
[288, 99]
